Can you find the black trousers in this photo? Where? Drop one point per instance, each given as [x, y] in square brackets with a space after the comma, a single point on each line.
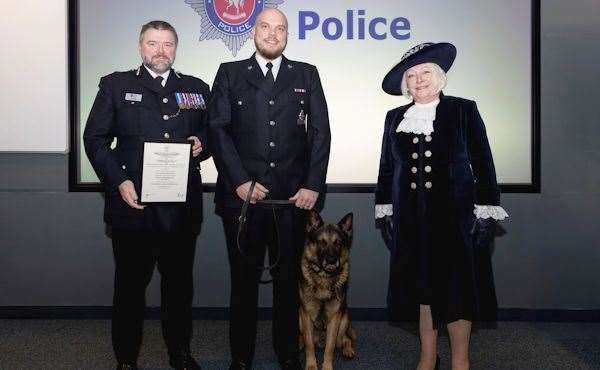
[281, 232]
[136, 254]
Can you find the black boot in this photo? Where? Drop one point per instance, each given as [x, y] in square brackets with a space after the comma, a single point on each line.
[240, 365]
[291, 364]
[183, 360]
[127, 366]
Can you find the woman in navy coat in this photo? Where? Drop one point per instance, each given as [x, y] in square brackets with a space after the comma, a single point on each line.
[437, 183]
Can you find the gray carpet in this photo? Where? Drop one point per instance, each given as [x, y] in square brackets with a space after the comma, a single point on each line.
[85, 344]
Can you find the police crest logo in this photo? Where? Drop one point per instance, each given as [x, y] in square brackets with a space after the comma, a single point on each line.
[323, 287]
[229, 20]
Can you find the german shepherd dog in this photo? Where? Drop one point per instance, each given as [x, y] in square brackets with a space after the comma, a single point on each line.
[324, 316]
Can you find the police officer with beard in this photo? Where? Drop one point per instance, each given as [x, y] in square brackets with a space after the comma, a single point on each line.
[151, 102]
[270, 124]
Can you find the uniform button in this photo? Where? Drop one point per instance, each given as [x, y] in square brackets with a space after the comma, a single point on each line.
[272, 123]
[165, 100]
[415, 140]
[428, 153]
[428, 138]
[415, 156]
[427, 168]
[301, 101]
[271, 102]
[413, 185]
[239, 102]
[166, 117]
[414, 170]
[272, 164]
[166, 135]
[124, 167]
[428, 185]
[272, 144]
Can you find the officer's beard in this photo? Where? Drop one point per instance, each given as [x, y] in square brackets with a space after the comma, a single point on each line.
[158, 65]
[267, 53]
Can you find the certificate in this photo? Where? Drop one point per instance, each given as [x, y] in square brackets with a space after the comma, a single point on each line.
[165, 171]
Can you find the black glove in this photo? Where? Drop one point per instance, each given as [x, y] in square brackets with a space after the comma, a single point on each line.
[484, 230]
[385, 225]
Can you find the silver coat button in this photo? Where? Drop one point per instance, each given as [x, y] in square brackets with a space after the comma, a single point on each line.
[415, 140]
[428, 184]
[165, 117]
[271, 102]
[413, 185]
[272, 144]
[428, 138]
[272, 164]
[427, 168]
[428, 153]
[240, 102]
[415, 156]
[165, 100]
[124, 167]
[272, 123]
[166, 135]
[414, 170]
[301, 101]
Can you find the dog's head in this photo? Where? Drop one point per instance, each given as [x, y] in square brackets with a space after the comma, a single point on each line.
[328, 245]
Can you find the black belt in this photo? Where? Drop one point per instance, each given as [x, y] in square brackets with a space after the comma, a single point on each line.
[243, 220]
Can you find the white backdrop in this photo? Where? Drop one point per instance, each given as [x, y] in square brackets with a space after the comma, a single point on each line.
[493, 67]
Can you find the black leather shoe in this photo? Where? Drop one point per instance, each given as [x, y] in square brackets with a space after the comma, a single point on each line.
[183, 360]
[292, 364]
[239, 365]
[126, 366]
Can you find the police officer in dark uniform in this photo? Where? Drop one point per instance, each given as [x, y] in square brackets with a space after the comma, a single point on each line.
[270, 125]
[152, 102]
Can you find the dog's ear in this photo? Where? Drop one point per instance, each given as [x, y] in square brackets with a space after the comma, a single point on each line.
[314, 221]
[346, 224]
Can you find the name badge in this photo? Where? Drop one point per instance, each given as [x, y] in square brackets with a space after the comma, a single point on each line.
[133, 97]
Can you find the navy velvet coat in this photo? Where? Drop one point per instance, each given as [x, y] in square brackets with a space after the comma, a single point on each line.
[433, 183]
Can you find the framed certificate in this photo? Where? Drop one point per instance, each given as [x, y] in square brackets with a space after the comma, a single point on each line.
[165, 171]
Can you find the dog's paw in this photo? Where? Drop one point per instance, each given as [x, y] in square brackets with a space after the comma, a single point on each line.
[311, 365]
[327, 366]
[347, 350]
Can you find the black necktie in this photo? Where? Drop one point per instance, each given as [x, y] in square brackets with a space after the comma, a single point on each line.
[269, 77]
[159, 80]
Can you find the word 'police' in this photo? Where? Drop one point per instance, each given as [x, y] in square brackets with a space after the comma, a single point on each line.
[333, 28]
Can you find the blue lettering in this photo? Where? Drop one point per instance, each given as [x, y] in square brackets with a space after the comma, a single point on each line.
[373, 30]
[400, 24]
[332, 28]
[350, 23]
[303, 16]
[338, 28]
[361, 24]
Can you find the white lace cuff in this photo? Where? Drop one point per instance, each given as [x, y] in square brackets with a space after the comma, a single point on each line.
[495, 212]
[382, 210]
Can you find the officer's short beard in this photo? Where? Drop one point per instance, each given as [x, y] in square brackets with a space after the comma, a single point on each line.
[158, 66]
[267, 54]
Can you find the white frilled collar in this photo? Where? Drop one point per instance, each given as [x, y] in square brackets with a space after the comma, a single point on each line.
[418, 119]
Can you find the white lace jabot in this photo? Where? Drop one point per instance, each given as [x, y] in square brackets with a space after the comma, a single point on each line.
[419, 118]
